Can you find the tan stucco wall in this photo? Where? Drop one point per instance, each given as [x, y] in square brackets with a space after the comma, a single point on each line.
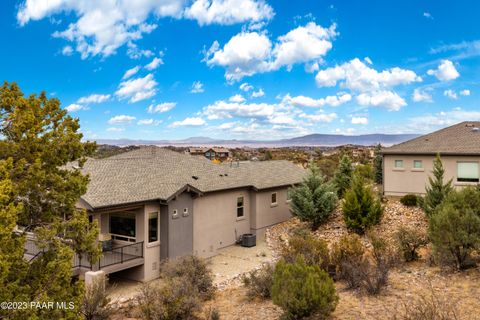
[215, 223]
[409, 180]
[151, 250]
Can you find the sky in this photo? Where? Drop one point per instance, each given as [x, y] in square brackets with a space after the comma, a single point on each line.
[247, 69]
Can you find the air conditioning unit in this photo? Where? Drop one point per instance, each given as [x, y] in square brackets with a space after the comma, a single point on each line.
[249, 240]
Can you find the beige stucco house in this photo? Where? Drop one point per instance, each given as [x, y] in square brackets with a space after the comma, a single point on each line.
[153, 204]
[407, 166]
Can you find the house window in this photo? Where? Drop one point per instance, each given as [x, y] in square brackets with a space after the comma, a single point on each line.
[122, 225]
[398, 163]
[185, 212]
[274, 198]
[153, 227]
[417, 164]
[289, 194]
[175, 214]
[240, 212]
[467, 171]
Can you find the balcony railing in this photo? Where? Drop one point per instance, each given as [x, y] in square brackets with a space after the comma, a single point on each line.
[109, 257]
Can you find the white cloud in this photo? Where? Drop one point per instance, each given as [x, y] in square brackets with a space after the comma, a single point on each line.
[227, 12]
[368, 60]
[443, 118]
[227, 125]
[222, 109]
[420, 95]
[115, 129]
[67, 51]
[194, 122]
[465, 92]
[237, 98]
[257, 94]
[197, 87]
[246, 87]
[356, 75]
[148, 122]
[248, 53]
[137, 89]
[347, 131]
[122, 119]
[446, 71]
[134, 52]
[130, 72]
[450, 94]
[302, 101]
[94, 98]
[156, 62]
[161, 107]
[388, 99]
[75, 107]
[312, 67]
[428, 15]
[320, 117]
[359, 120]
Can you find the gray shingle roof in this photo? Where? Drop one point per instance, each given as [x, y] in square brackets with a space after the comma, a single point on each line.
[153, 173]
[460, 139]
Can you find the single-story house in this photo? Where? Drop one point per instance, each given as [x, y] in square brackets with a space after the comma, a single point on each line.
[154, 204]
[407, 166]
[213, 153]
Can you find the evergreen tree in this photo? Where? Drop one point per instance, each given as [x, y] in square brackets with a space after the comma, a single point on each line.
[343, 175]
[360, 208]
[378, 164]
[436, 190]
[302, 290]
[39, 140]
[314, 200]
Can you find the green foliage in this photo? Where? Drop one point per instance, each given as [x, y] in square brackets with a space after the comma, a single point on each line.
[259, 282]
[409, 200]
[302, 290]
[314, 200]
[314, 251]
[454, 228]
[408, 242]
[343, 176]
[360, 208]
[378, 165]
[365, 171]
[436, 190]
[346, 255]
[196, 272]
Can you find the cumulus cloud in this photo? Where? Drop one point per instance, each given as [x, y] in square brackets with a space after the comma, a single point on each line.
[245, 87]
[357, 76]
[193, 122]
[248, 53]
[359, 120]
[228, 12]
[115, 129]
[387, 99]
[237, 98]
[67, 51]
[94, 98]
[148, 122]
[137, 89]
[156, 62]
[446, 71]
[450, 94]
[130, 72]
[320, 117]
[420, 95]
[465, 92]
[197, 87]
[121, 119]
[442, 118]
[161, 107]
[257, 94]
[303, 101]
[75, 107]
[222, 110]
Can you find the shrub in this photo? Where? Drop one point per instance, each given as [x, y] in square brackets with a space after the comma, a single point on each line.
[212, 314]
[259, 282]
[409, 200]
[195, 270]
[436, 189]
[343, 176]
[302, 290]
[365, 171]
[314, 200]
[408, 241]
[314, 251]
[378, 164]
[360, 208]
[95, 301]
[347, 255]
[454, 228]
[375, 272]
[173, 300]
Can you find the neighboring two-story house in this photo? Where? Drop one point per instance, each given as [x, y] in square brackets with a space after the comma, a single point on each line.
[407, 166]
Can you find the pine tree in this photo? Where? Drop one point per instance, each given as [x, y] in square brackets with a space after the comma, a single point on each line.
[314, 200]
[436, 190]
[360, 208]
[343, 176]
[39, 194]
[378, 164]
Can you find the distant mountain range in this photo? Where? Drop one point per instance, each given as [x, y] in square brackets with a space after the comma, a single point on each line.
[320, 140]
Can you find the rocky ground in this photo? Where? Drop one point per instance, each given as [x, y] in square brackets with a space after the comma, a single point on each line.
[407, 281]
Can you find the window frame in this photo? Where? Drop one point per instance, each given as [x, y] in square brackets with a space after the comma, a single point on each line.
[157, 227]
[175, 214]
[472, 180]
[273, 204]
[185, 212]
[395, 164]
[116, 235]
[242, 207]
[418, 161]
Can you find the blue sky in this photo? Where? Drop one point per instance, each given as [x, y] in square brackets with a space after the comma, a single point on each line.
[243, 69]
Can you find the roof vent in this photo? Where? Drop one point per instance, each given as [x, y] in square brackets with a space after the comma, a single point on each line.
[475, 129]
[221, 175]
[195, 177]
[226, 174]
